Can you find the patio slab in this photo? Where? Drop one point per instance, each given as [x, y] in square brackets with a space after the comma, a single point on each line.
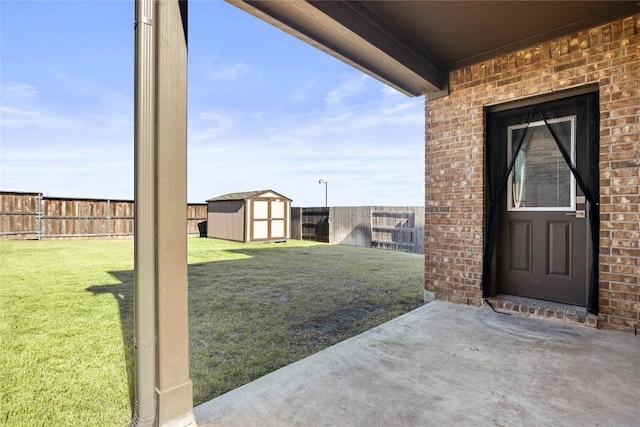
[449, 364]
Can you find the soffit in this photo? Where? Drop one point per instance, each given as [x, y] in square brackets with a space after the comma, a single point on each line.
[413, 45]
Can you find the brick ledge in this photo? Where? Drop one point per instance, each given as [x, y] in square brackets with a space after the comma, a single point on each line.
[542, 309]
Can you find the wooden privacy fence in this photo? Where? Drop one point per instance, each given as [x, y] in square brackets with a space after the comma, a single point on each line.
[34, 216]
[310, 224]
[399, 228]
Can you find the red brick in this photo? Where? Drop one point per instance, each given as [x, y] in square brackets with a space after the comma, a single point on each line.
[626, 288]
[608, 55]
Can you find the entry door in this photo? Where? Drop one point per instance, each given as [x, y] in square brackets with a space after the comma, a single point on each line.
[543, 228]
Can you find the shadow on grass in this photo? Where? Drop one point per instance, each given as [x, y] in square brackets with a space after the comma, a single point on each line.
[273, 305]
[123, 293]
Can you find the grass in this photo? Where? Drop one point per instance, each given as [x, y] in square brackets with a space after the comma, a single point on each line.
[62, 361]
[66, 318]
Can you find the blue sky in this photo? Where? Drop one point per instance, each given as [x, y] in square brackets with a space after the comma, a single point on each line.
[265, 110]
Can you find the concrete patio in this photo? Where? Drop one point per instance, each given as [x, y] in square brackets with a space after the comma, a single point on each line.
[449, 364]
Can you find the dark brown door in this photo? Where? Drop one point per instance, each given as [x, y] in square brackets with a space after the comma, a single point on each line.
[542, 248]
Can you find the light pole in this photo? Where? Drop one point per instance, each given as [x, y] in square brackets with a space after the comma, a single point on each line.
[322, 181]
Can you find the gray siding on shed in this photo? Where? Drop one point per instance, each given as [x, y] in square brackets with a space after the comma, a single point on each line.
[226, 220]
[250, 216]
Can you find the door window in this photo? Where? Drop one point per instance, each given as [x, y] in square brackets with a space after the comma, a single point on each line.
[541, 179]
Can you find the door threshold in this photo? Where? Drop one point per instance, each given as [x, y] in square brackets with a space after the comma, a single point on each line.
[542, 309]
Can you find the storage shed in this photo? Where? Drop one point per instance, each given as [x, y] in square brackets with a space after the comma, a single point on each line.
[249, 216]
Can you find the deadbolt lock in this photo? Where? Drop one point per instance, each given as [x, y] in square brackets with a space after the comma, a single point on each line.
[578, 214]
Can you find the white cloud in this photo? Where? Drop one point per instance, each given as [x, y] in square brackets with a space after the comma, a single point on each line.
[226, 71]
[353, 84]
[389, 91]
[69, 131]
[371, 153]
[305, 92]
[13, 90]
[76, 168]
[69, 150]
[349, 120]
[15, 117]
[209, 125]
[400, 114]
[18, 118]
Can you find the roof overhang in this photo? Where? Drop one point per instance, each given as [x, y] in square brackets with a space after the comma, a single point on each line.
[308, 23]
[413, 45]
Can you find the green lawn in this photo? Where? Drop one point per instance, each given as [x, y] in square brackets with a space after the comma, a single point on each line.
[66, 318]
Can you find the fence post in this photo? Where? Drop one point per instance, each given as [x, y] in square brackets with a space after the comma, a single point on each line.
[108, 218]
[39, 216]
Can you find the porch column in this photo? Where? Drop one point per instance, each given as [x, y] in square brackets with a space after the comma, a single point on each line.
[162, 385]
[173, 384]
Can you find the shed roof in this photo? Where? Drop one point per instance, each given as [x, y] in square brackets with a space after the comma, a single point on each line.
[244, 195]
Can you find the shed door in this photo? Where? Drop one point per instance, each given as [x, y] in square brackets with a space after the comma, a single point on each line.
[269, 219]
[278, 220]
[260, 220]
[543, 246]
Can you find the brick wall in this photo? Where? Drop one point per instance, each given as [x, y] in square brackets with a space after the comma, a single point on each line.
[607, 56]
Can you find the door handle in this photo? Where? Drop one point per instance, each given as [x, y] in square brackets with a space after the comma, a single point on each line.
[577, 214]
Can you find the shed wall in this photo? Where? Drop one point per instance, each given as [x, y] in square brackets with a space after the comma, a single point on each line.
[226, 220]
[607, 57]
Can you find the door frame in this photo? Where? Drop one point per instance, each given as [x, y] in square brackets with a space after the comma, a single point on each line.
[489, 284]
